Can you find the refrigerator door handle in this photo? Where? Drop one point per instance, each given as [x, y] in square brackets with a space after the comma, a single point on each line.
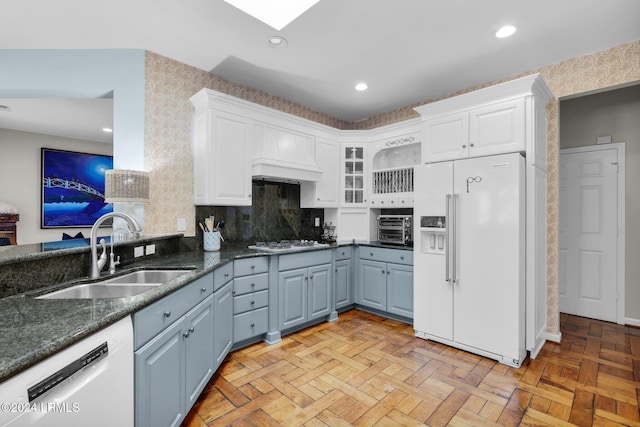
[454, 275]
[447, 240]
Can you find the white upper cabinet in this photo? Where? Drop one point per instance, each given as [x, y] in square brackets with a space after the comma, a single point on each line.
[221, 158]
[493, 120]
[497, 129]
[446, 138]
[326, 192]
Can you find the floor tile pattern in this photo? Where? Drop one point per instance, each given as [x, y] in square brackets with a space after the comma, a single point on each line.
[365, 370]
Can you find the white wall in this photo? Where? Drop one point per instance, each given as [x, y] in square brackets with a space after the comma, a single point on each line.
[615, 113]
[20, 175]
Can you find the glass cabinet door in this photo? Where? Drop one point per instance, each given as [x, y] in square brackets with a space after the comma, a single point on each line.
[354, 175]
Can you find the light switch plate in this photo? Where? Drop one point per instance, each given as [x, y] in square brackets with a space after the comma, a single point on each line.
[182, 224]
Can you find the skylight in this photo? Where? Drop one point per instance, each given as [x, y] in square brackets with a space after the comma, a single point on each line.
[275, 13]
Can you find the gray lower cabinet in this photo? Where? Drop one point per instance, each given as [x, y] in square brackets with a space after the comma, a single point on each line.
[223, 323]
[342, 278]
[250, 298]
[385, 280]
[304, 293]
[172, 369]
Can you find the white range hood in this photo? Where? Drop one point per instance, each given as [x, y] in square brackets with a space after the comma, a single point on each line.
[282, 155]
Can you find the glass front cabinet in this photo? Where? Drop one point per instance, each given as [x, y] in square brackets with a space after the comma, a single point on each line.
[354, 173]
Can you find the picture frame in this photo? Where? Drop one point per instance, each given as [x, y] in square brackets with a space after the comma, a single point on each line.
[72, 192]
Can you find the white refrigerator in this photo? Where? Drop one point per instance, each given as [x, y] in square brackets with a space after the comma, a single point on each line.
[469, 255]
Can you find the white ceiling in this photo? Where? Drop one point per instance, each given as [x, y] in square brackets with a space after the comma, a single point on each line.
[71, 118]
[406, 50]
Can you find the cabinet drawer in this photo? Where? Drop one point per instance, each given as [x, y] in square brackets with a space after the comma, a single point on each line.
[250, 301]
[152, 319]
[244, 285]
[245, 267]
[222, 275]
[250, 324]
[396, 256]
[343, 253]
[304, 259]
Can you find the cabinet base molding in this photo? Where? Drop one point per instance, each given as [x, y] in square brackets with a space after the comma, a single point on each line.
[386, 314]
[273, 337]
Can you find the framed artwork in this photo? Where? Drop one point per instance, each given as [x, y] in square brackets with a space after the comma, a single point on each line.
[73, 188]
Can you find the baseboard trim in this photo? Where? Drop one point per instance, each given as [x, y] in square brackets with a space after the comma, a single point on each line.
[632, 322]
[557, 338]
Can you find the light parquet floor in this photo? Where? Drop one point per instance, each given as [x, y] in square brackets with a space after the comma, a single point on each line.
[365, 370]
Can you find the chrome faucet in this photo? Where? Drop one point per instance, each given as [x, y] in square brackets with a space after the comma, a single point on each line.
[98, 264]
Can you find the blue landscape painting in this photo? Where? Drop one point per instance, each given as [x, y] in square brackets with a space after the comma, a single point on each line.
[73, 188]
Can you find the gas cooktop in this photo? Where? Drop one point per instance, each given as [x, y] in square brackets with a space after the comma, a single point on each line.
[287, 246]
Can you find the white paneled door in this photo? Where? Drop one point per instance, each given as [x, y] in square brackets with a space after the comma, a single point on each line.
[588, 282]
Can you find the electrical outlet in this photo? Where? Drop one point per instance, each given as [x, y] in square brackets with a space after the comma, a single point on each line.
[150, 249]
[138, 251]
[182, 224]
[317, 222]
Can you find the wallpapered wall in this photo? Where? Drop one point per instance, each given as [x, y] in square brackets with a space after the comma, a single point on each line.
[169, 84]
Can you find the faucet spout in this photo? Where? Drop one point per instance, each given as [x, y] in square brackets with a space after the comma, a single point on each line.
[134, 227]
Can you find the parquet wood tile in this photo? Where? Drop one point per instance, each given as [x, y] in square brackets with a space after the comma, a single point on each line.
[364, 370]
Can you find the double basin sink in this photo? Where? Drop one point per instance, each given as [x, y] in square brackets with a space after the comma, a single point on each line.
[128, 285]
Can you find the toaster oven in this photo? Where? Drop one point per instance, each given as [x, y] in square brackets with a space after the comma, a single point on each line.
[395, 229]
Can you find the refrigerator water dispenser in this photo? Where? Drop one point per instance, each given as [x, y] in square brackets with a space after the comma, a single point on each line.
[432, 234]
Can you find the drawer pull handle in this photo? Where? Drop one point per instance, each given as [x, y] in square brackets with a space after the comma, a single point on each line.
[203, 290]
[192, 329]
[253, 266]
[186, 334]
[253, 285]
[167, 313]
[401, 257]
[226, 274]
[253, 302]
[370, 253]
[253, 324]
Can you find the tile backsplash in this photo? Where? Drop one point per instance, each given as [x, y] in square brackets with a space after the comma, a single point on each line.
[275, 214]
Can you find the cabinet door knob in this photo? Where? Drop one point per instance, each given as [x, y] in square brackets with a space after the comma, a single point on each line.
[249, 195]
[186, 334]
[383, 271]
[203, 290]
[167, 313]
[464, 146]
[192, 329]
[226, 274]
[233, 293]
[470, 145]
[388, 272]
[311, 277]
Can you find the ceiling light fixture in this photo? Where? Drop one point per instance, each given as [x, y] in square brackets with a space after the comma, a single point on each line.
[361, 87]
[277, 41]
[275, 13]
[506, 31]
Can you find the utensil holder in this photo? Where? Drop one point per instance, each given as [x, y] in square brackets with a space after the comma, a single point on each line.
[211, 241]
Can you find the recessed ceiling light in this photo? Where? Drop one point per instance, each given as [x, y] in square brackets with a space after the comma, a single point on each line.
[277, 41]
[361, 86]
[506, 31]
[107, 130]
[275, 13]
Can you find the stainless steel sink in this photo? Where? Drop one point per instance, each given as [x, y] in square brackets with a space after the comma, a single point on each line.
[147, 277]
[128, 285]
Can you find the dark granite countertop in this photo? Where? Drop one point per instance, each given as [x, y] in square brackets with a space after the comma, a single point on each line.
[34, 329]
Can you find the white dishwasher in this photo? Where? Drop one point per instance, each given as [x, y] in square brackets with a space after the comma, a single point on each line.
[87, 384]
